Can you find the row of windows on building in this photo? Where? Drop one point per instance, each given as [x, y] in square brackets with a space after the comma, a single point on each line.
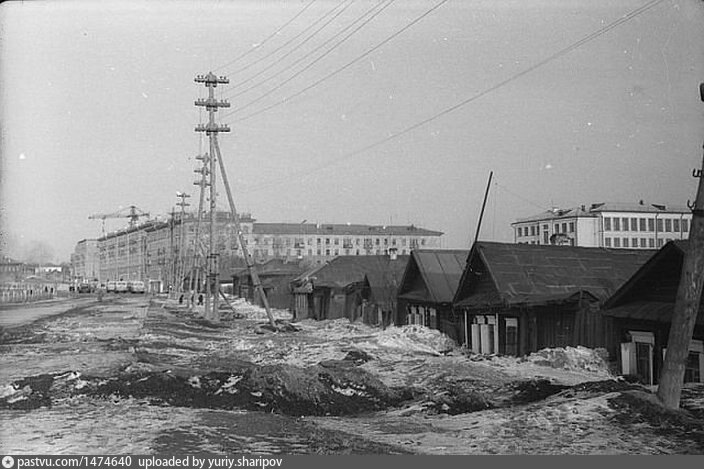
[565, 227]
[336, 241]
[647, 243]
[325, 252]
[667, 225]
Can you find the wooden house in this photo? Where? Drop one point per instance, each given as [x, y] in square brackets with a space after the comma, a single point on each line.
[275, 276]
[515, 299]
[350, 287]
[428, 287]
[638, 316]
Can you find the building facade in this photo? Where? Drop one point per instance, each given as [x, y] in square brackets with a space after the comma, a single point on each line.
[619, 226]
[85, 263]
[157, 251]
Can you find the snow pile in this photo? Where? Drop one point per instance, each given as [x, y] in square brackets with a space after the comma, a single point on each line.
[251, 311]
[415, 338]
[571, 358]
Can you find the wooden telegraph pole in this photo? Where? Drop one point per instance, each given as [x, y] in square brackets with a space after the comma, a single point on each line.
[212, 129]
[687, 303]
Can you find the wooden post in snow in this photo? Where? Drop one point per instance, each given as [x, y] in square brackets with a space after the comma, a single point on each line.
[689, 295]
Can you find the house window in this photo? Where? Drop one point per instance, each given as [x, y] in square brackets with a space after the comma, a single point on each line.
[641, 223]
[625, 242]
[532, 230]
[617, 242]
[327, 252]
[607, 223]
[557, 227]
[607, 242]
[651, 242]
[659, 224]
[634, 224]
[685, 226]
[660, 243]
[617, 224]
[546, 237]
[564, 227]
[668, 225]
[651, 224]
[624, 222]
[676, 226]
[571, 227]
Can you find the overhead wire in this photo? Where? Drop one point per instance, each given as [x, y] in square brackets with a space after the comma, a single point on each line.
[294, 38]
[382, 5]
[311, 64]
[280, 60]
[392, 136]
[344, 67]
[265, 40]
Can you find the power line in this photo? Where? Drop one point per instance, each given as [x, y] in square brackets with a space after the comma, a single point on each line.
[319, 58]
[590, 37]
[346, 66]
[305, 30]
[289, 53]
[249, 51]
[325, 43]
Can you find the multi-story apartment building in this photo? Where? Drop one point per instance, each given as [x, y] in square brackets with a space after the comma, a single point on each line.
[85, 263]
[621, 226]
[155, 250]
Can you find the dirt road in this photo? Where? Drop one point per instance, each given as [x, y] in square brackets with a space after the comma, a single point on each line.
[17, 315]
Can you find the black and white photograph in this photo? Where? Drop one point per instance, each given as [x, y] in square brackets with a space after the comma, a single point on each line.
[233, 231]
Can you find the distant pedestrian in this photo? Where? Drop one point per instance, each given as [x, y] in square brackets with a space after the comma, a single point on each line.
[180, 300]
[200, 299]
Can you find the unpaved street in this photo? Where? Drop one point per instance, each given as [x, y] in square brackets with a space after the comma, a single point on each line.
[140, 375]
[14, 315]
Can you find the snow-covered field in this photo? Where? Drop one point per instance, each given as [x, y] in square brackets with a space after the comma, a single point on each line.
[447, 401]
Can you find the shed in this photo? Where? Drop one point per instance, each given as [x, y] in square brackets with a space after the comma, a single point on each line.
[428, 287]
[638, 317]
[275, 276]
[515, 299]
[349, 286]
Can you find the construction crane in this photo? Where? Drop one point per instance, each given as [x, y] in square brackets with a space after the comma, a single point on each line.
[133, 214]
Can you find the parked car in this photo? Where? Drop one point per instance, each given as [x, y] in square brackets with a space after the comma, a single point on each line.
[136, 286]
[110, 287]
[84, 288]
[121, 287]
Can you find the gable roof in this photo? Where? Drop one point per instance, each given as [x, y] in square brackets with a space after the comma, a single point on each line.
[439, 270]
[535, 274]
[346, 270]
[650, 294]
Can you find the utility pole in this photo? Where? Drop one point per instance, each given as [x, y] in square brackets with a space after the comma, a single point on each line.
[211, 129]
[181, 241]
[194, 265]
[687, 303]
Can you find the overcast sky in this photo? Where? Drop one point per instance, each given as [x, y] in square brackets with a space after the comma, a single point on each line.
[97, 110]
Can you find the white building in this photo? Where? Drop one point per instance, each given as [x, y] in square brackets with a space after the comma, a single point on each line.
[620, 226]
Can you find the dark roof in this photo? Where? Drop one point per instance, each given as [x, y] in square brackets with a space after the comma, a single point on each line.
[272, 267]
[536, 274]
[346, 270]
[657, 311]
[650, 294]
[440, 271]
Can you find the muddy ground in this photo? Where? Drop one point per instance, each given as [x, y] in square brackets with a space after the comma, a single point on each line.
[134, 374]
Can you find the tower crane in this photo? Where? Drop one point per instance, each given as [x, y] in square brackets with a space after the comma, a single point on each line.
[134, 214]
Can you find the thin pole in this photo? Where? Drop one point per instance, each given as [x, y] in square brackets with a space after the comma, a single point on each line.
[245, 252]
[481, 214]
